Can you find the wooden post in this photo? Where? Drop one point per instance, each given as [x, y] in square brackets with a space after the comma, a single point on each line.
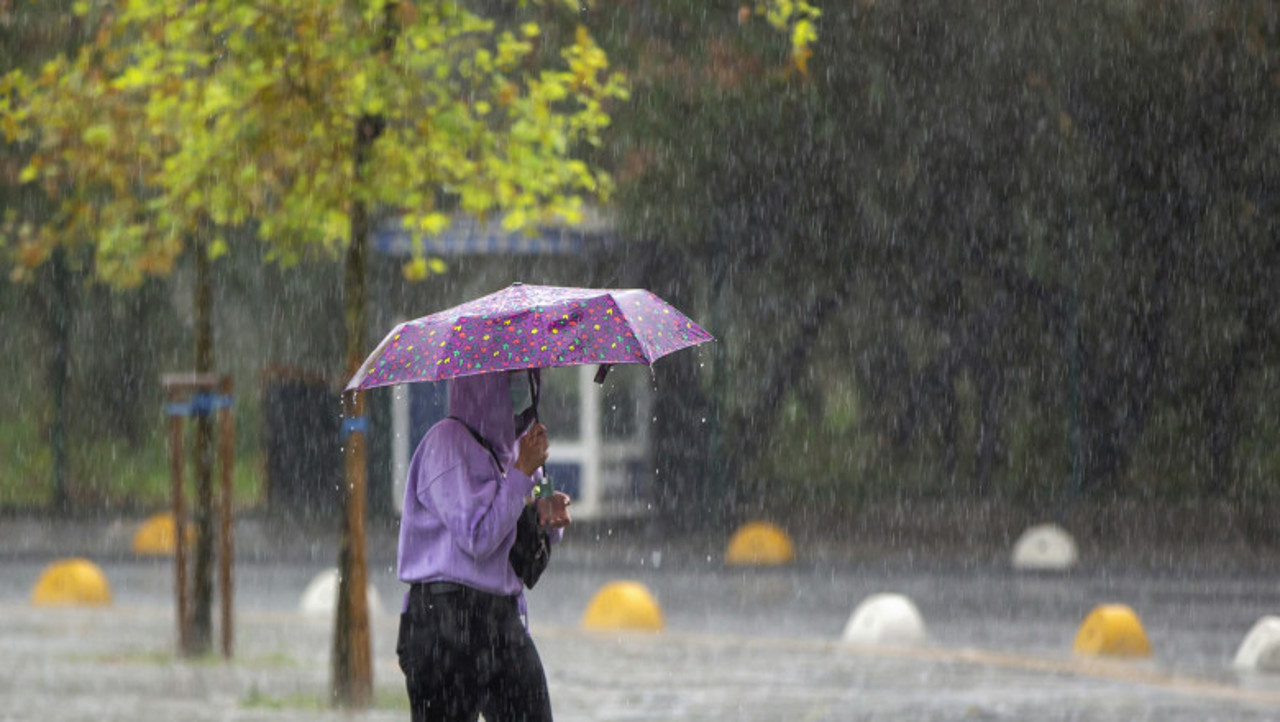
[226, 549]
[182, 613]
[198, 390]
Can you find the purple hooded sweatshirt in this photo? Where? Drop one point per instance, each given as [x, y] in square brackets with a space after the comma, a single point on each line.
[460, 509]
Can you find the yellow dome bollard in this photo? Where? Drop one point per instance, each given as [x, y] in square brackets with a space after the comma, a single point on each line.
[71, 582]
[623, 605]
[760, 543]
[155, 536]
[1112, 630]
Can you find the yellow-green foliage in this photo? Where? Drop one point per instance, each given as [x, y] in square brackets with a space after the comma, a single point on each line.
[182, 117]
[800, 20]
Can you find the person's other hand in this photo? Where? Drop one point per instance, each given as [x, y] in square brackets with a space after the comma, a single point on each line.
[533, 449]
[553, 511]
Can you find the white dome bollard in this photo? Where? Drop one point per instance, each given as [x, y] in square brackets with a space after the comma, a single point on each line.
[1260, 649]
[885, 619]
[320, 599]
[1045, 547]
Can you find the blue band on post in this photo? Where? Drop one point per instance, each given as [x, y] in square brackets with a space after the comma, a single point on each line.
[204, 404]
[177, 409]
[199, 405]
[353, 424]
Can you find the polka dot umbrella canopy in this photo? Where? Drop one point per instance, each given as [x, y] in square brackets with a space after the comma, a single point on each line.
[526, 326]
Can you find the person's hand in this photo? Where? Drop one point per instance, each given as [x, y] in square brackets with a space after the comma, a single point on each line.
[553, 511]
[533, 449]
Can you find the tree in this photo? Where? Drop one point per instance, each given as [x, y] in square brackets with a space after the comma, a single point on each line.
[988, 211]
[277, 114]
[100, 150]
[304, 121]
[56, 189]
[1183, 193]
[688, 64]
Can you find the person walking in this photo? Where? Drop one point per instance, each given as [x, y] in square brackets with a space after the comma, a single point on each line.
[463, 644]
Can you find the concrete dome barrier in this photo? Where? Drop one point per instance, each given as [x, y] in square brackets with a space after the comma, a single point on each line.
[1112, 630]
[320, 598]
[885, 619]
[71, 582]
[156, 537]
[1260, 650]
[623, 605]
[759, 543]
[1045, 547]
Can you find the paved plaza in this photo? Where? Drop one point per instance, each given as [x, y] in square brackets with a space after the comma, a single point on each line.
[738, 645]
[117, 664]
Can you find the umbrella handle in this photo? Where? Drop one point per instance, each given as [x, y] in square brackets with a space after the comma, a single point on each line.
[546, 488]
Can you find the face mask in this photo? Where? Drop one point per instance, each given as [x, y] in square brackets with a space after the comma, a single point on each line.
[529, 416]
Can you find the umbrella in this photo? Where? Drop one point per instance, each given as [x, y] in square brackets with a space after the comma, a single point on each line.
[527, 327]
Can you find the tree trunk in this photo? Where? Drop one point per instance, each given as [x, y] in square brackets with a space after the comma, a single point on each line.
[1119, 396]
[681, 494]
[202, 573]
[983, 338]
[59, 375]
[988, 377]
[1219, 408]
[1222, 439]
[937, 400]
[352, 685]
[746, 434]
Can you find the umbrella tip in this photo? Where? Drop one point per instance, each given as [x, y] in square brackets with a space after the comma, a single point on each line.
[602, 372]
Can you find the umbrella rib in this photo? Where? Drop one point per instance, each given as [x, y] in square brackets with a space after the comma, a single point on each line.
[644, 349]
[371, 360]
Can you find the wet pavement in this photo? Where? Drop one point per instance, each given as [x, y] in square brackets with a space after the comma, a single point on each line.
[749, 644]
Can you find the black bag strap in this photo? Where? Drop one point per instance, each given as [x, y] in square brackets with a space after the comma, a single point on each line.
[482, 441]
[531, 552]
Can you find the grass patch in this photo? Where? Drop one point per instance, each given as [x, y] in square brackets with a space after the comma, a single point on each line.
[25, 477]
[384, 698]
[166, 658]
[107, 473]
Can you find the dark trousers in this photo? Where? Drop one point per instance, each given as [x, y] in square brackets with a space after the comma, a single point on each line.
[465, 653]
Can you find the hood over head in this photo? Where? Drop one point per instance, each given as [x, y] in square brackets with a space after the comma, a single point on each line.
[483, 402]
